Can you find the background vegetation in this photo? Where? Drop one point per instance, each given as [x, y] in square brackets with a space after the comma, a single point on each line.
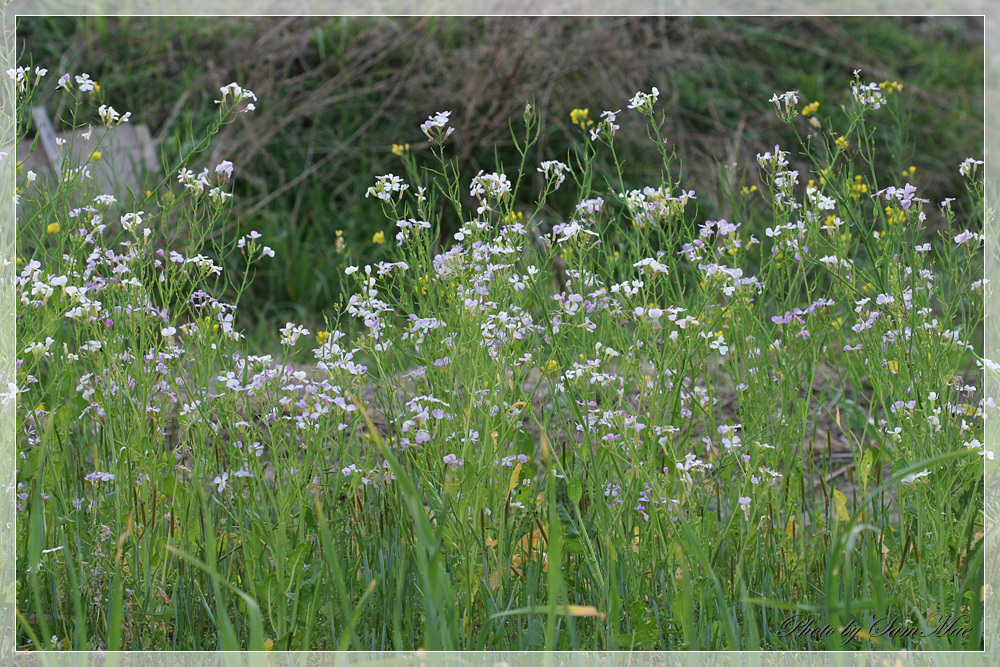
[337, 93]
[655, 429]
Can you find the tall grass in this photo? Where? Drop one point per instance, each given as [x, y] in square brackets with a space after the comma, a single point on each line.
[613, 430]
[349, 89]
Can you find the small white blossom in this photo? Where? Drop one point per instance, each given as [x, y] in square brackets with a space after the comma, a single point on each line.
[39, 350]
[85, 83]
[131, 220]
[644, 101]
[785, 104]
[554, 171]
[489, 186]
[108, 115]
[224, 170]
[909, 479]
[432, 127]
[969, 166]
[239, 94]
[385, 186]
[291, 332]
[744, 502]
[652, 265]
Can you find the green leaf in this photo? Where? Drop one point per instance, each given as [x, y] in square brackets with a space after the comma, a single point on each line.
[272, 595]
[569, 527]
[574, 488]
[574, 546]
[644, 631]
[868, 459]
[310, 519]
[298, 559]
[840, 506]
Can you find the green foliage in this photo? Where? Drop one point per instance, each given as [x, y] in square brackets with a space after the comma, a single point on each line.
[534, 420]
[351, 88]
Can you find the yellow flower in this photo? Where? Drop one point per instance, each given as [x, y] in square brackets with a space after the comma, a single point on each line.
[893, 366]
[379, 237]
[399, 149]
[858, 188]
[322, 337]
[579, 117]
[810, 109]
[894, 215]
[53, 228]
[268, 644]
[890, 87]
[909, 172]
[841, 142]
[96, 156]
[551, 365]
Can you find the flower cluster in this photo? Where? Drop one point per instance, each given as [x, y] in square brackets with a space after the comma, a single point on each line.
[644, 101]
[867, 95]
[111, 117]
[239, 94]
[20, 76]
[489, 189]
[436, 127]
[555, 172]
[785, 104]
[385, 187]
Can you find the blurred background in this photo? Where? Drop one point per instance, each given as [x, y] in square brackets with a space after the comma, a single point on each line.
[336, 93]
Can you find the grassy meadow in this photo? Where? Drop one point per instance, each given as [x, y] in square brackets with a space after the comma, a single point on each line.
[592, 373]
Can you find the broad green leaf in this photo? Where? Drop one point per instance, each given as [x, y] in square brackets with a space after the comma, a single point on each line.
[574, 488]
[840, 506]
[865, 467]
